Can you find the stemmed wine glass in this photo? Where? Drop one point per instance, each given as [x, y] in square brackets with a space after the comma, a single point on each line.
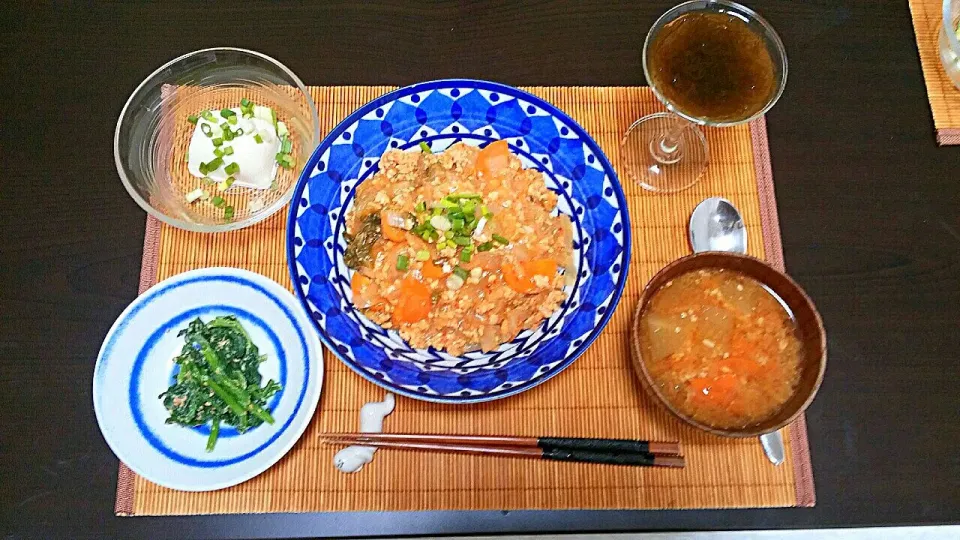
[711, 62]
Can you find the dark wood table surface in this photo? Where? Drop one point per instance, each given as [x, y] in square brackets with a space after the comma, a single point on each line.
[869, 207]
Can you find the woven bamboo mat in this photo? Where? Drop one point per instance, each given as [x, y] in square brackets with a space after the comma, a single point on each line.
[598, 396]
[944, 97]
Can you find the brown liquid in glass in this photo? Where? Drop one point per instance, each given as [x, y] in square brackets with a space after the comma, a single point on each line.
[712, 66]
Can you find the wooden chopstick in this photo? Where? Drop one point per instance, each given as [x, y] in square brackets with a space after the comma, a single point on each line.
[642, 459]
[546, 443]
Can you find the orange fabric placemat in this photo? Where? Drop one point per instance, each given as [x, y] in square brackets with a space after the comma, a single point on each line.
[598, 396]
[944, 97]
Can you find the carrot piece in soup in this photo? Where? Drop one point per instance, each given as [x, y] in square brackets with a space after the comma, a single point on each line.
[494, 158]
[414, 302]
[714, 391]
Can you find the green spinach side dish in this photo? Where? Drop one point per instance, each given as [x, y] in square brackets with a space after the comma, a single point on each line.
[219, 379]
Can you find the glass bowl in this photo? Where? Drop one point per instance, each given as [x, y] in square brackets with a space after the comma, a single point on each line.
[949, 42]
[153, 134]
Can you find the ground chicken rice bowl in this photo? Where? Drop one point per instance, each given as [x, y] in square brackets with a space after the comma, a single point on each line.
[459, 250]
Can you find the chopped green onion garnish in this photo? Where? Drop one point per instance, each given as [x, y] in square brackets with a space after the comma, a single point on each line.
[462, 240]
[217, 201]
[465, 255]
[449, 205]
[500, 239]
[245, 103]
[228, 151]
[486, 246]
[258, 138]
[239, 132]
[228, 212]
[468, 207]
[485, 212]
[228, 135]
[206, 129]
[208, 116]
[192, 119]
[425, 148]
[194, 195]
[461, 273]
[217, 141]
[227, 113]
[421, 207]
[463, 196]
[427, 235]
[286, 146]
[437, 211]
[234, 168]
[457, 225]
[215, 164]
[218, 152]
[225, 185]
[402, 262]
[441, 244]
[440, 223]
[449, 234]
[233, 120]
[423, 255]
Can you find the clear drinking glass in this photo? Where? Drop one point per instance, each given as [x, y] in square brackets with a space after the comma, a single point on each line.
[152, 135]
[666, 152]
[949, 42]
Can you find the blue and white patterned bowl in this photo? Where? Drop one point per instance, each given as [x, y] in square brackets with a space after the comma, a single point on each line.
[442, 113]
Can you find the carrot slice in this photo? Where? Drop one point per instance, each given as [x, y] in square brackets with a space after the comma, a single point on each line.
[494, 158]
[520, 276]
[739, 365]
[516, 278]
[715, 391]
[357, 283]
[542, 267]
[431, 270]
[414, 303]
[394, 234]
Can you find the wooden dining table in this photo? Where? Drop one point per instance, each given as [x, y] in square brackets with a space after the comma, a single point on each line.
[869, 210]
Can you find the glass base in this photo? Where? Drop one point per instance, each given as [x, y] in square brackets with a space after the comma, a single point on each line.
[664, 153]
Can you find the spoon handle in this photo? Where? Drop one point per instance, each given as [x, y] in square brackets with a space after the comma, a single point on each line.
[773, 446]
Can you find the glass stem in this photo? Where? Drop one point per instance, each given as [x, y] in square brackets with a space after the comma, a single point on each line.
[668, 148]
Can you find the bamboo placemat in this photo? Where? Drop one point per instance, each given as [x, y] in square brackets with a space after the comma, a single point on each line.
[944, 97]
[598, 396]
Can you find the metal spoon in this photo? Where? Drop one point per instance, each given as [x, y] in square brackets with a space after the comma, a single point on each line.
[716, 225]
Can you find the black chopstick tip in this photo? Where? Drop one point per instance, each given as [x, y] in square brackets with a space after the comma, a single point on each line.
[676, 462]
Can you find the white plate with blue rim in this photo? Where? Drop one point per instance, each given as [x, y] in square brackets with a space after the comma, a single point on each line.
[136, 365]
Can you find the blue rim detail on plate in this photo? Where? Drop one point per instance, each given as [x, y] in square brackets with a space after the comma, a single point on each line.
[133, 390]
[449, 111]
